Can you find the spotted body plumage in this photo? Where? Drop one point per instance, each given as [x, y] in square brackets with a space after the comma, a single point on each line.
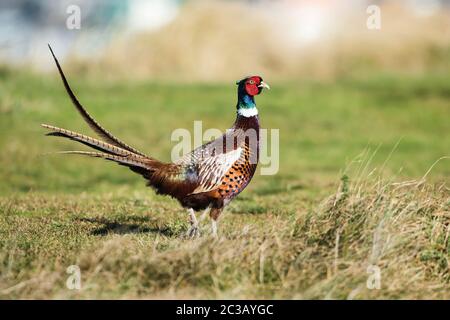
[209, 177]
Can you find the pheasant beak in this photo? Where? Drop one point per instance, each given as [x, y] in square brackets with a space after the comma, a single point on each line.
[264, 85]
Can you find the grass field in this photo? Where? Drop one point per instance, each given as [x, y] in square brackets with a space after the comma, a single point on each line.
[354, 193]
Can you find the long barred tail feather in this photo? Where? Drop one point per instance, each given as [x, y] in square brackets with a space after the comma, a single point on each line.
[90, 142]
[164, 177]
[102, 132]
[129, 162]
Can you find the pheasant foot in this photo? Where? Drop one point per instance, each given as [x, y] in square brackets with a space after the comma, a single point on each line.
[194, 230]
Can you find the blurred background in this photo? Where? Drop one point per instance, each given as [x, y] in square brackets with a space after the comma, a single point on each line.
[340, 89]
[222, 40]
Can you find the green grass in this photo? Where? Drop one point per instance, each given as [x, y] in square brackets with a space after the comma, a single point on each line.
[302, 233]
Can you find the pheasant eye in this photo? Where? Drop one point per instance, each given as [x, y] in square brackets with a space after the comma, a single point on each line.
[251, 82]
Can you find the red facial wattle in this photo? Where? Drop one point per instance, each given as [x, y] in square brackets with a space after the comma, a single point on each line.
[252, 89]
[251, 85]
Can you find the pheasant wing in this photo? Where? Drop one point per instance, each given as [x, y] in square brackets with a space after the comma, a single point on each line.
[211, 163]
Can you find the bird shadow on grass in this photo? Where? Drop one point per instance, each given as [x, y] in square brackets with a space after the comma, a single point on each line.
[137, 225]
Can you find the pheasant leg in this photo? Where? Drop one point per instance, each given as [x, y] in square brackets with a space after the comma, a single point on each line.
[214, 228]
[194, 230]
[214, 214]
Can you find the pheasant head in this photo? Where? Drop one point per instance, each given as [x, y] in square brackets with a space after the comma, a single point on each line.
[247, 89]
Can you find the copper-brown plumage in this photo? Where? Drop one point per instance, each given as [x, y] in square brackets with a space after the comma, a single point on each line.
[209, 177]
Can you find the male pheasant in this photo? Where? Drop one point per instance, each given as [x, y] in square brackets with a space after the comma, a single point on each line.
[207, 178]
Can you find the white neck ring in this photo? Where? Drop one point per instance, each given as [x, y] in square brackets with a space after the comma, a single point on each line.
[247, 112]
